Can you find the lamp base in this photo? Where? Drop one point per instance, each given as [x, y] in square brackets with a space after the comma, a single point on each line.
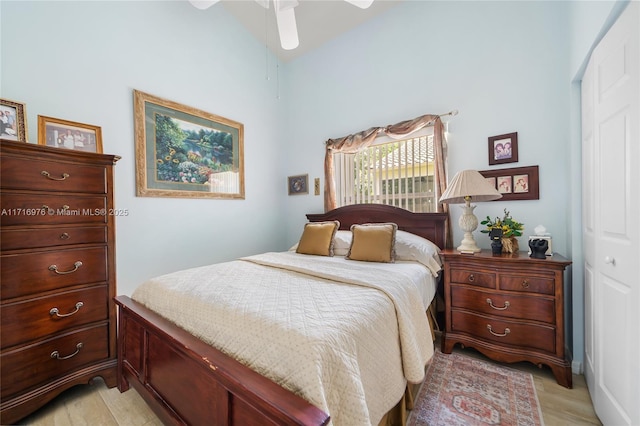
[468, 223]
[468, 244]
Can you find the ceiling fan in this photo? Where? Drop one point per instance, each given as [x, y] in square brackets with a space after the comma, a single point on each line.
[285, 17]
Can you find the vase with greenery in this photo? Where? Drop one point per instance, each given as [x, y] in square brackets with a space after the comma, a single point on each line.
[510, 230]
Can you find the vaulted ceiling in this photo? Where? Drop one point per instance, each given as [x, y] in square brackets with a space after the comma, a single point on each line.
[318, 21]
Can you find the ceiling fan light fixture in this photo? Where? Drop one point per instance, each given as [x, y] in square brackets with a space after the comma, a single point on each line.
[203, 4]
[362, 4]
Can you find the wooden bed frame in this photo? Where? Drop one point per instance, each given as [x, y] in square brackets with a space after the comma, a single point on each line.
[186, 381]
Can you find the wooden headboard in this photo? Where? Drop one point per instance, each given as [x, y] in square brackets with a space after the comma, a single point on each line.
[428, 225]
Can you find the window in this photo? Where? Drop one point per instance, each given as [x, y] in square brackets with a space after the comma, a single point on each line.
[398, 173]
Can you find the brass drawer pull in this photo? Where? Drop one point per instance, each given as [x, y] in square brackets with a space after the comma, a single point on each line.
[56, 354]
[48, 175]
[56, 311]
[64, 236]
[472, 278]
[76, 265]
[50, 210]
[506, 331]
[525, 283]
[506, 305]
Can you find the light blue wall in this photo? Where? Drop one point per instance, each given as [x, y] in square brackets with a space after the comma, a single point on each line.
[506, 66]
[80, 61]
[503, 65]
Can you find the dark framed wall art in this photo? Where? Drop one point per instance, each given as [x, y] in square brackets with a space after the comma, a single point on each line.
[517, 183]
[503, 149]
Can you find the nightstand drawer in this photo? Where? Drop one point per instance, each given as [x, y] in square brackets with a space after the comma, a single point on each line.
[461, 276]
[505, 332]
[527, 283]
[504, 305]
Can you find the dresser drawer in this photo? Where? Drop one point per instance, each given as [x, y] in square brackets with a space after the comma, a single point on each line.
[15, 239]
[30, 273]
[36, 318]
[527, 283]
[480, 279]
[504, 305]
[31, 209]
[42, 175]
[31, 365]
[494, 329]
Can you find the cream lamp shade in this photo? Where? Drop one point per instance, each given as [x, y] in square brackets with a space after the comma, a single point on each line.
[467, 186]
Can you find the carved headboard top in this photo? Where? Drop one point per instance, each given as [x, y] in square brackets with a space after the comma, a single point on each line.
[427, 225]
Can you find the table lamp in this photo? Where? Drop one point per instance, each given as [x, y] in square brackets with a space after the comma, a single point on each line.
[467, 186]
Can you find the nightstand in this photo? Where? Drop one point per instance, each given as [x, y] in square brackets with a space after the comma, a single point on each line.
[510, 307]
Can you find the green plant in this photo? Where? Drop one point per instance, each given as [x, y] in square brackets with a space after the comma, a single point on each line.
[510, 228]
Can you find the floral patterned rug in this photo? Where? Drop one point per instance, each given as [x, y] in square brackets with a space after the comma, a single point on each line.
[461, 390]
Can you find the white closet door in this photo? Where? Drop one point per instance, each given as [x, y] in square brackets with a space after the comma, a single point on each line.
[611, 221]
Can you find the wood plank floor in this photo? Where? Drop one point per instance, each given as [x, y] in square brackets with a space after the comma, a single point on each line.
[97, 405]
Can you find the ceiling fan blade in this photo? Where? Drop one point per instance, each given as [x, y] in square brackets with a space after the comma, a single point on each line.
[285, 4]
[203, 4]
[362, 4]
[286, 20]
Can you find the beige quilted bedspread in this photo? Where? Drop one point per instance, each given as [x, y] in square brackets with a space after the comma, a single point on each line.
[344, 335]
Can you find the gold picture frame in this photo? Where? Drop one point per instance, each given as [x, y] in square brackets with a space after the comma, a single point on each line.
[66, 134]
[185, 152]
[14, 128]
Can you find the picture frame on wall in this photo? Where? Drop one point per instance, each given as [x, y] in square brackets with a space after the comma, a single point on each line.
[503, 149]
[298, 185]
[59, 133]
[13, 121]
[185, 152]
[517, 183]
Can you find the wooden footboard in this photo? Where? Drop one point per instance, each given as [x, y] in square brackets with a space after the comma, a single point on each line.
[186, 381]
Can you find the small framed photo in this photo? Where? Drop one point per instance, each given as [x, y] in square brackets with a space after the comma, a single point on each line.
[518, 183]
[298, 184]
[504, 184]
[67, 134]
[503, 149]
[13, 122]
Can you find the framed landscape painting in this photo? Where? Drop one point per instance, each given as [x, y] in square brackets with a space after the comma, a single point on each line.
[185, 152]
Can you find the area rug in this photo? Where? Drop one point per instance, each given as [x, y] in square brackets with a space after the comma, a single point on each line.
[462, 390]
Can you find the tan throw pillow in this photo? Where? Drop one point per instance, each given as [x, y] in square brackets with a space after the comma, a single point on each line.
[373, 242]
[317, 238]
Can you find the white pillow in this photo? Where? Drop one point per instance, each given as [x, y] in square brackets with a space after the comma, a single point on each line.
[413, 247]
[342, 242]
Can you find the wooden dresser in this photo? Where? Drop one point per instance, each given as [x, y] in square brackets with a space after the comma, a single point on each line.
[57, 274]
[510, 307]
